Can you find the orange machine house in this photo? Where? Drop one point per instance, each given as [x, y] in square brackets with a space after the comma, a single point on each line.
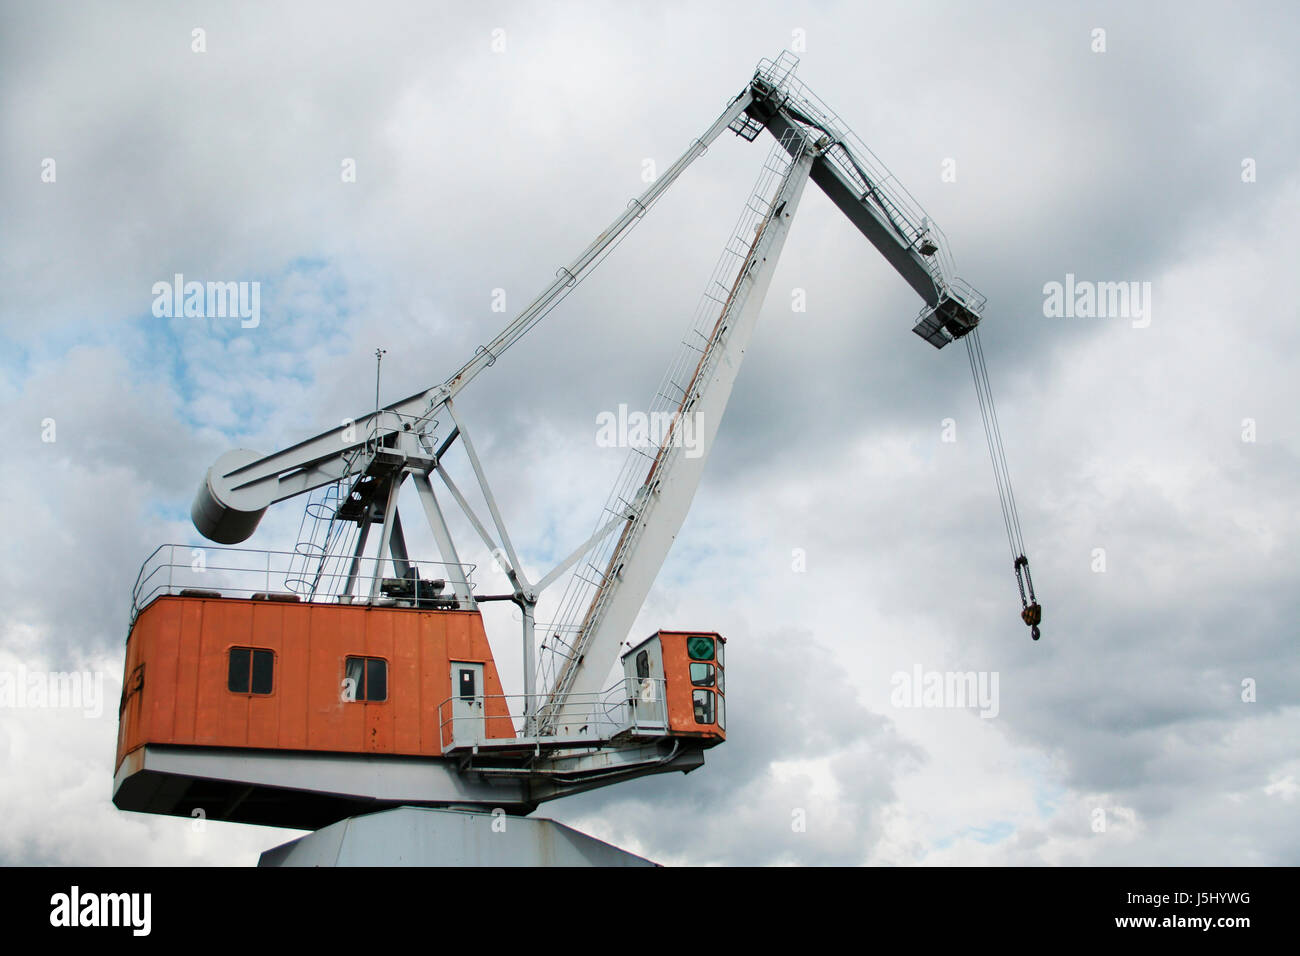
[299, 676]
[261, 707]
[227, 675]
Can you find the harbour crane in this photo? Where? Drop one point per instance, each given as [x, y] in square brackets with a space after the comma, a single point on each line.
[364, 681]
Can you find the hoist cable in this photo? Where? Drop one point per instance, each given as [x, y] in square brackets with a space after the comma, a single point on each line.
[996, 438]
[1032, 614]
[988, 415]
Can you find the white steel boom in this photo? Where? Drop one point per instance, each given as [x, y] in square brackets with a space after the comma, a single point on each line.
[672, 477]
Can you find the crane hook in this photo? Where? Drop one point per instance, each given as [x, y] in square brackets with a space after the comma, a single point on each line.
[1032, 613]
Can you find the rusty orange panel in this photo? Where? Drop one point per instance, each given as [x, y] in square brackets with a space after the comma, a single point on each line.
[129, 723]
[223, 716]
[165, 647]
[433, 680]
[677, 680]
[184, 645]
[188, 620]
[404, 671]
[459, 646]
[263, 712]
[324, 681]
[291, 682]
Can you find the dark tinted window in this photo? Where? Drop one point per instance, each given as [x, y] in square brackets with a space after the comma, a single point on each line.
[376, 679]
[702, 675]
[237, 681]
[354, 674]
[251, 670]
[466, 678]
[643, 665]
[703, 701]
[263, 664]
[367, 678]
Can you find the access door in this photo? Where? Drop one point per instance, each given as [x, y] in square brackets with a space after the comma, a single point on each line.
[467, 717]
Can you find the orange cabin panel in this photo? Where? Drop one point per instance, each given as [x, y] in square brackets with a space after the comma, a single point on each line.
[176, 688]
[669, 658]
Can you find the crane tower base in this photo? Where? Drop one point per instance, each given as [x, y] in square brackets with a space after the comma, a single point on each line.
[423, 836]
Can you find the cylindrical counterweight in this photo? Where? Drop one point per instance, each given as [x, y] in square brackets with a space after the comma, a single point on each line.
[223, 511]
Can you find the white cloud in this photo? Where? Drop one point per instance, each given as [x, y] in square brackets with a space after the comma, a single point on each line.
[479, 172]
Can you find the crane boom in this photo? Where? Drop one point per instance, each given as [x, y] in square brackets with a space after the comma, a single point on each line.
[818, 149]
[672, 477]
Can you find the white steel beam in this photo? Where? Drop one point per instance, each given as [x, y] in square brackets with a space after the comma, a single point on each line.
[671, 485]
[442, 537]
[251, 483]
[520, 580]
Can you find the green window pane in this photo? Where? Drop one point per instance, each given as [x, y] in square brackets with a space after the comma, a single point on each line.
[700, 648]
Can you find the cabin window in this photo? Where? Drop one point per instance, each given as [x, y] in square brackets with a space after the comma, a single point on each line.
[702, 675]
[700, 648]
[367, 678]
[251, 670]
[703, 700]
[643, 665]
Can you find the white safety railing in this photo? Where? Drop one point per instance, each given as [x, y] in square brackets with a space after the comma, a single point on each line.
[855, 160]
[630, 706]
[216, 571]
[963, 292]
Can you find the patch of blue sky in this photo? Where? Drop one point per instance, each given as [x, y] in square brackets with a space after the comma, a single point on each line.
[304, 306]
[20, 361]
[993, 833]
[1048, 791]
[15, 360]
[1047, 798]
[551, 546]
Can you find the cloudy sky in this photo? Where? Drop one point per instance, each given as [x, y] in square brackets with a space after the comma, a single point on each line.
[1155, 461]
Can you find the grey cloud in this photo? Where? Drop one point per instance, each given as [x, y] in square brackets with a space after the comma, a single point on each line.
[479, 172]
